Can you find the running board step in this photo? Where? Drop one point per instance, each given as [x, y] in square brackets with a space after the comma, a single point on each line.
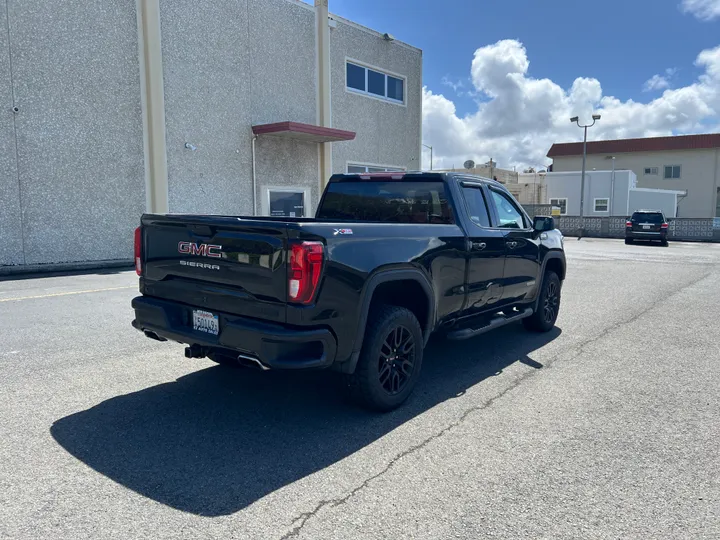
[495, 322]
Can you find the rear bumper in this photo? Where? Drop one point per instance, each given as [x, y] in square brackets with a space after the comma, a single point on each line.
[646, 235]
[275, 346]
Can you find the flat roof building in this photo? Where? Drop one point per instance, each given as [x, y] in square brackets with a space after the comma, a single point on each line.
[687, 163]
[234, 108]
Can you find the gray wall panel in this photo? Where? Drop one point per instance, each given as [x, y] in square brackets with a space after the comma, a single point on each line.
[387, 133]
[227, 67]
[79, 129]
[10, 221]
[207, 104]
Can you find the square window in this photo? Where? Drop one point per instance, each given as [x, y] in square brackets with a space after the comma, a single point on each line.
[355, 77]
[601, 205]
[561, 204]
[395, 88]
[376, 83]
[672, 172]
[651, 170]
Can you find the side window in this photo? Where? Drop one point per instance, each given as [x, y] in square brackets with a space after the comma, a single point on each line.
[508, 214]
[477, 208]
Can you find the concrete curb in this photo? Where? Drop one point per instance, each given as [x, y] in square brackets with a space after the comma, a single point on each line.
[22, 270]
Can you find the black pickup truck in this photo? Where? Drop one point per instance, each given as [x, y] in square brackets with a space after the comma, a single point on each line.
[389, 259]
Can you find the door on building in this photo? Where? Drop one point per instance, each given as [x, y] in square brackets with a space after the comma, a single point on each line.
[522, 248]
[485, 252]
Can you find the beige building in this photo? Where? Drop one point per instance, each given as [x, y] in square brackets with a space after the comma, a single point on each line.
[488, 170]
[527, 188]
[688, 163]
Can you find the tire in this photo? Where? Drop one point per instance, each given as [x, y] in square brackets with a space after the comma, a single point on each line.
[628, 241]
[384, 379]
[664, 243]
[543, 320]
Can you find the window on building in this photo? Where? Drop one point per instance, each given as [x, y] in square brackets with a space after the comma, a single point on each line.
[651, 171]
[672, 172]
[602, 205]
[476, 205]
[375, 83]
[358, 168]
[509, 216]
[286, 202]
[561, 204]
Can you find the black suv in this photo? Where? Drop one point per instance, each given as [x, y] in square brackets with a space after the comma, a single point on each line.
[646, 225]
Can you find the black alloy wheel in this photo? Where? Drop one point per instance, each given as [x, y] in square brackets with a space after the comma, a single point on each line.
[551, 302]
[397, 359]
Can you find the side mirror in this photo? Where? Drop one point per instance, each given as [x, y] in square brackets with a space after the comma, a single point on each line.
[543, 223]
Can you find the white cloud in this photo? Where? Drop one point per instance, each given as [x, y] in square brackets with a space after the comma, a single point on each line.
[520, 117]
[455, 85]
[660, 82]
[705, 10]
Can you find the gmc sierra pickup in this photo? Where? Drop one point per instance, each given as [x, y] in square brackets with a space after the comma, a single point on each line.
[389, 259]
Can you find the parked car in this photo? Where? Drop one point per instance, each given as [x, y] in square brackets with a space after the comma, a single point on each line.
[647, 225]
[389, 259]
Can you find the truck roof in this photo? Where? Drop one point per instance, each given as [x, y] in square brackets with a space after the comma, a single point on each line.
[411, 175]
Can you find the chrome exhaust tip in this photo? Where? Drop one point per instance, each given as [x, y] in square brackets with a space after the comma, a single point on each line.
[243, 358]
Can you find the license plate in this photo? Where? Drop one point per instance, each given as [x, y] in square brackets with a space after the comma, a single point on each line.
[646, 226]
[204, 321]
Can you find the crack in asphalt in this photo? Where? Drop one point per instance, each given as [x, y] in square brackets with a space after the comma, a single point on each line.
[304, 517]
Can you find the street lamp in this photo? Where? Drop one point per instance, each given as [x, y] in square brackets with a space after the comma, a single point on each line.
[576, 120]
[430, 147]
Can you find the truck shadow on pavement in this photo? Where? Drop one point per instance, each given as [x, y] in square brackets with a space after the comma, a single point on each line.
[217, 440]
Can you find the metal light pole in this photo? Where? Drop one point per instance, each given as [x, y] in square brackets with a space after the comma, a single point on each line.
[612, 186]
[576, 120]
[430, 147]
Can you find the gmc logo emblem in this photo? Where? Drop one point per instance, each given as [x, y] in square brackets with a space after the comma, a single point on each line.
[202, 250]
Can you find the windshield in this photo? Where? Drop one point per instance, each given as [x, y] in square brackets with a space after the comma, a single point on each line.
[386, 202]
[647, 217]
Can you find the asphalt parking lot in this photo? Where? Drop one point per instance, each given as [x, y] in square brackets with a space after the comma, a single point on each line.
[607, 427]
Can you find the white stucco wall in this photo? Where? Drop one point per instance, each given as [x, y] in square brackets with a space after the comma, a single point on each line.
[700, 175]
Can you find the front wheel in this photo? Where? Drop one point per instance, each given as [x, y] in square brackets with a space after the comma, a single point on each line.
[548, 307]
[390, 360]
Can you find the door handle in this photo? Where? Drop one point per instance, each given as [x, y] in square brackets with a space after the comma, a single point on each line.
[512, 244]
[478, 246]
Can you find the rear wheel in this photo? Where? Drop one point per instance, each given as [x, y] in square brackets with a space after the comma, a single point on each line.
[543, 320]
[664, 243]
[628, 241]
[390, 361]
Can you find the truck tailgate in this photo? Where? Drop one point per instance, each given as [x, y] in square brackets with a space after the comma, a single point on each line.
[219, 263]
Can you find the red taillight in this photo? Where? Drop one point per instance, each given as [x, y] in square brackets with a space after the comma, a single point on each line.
[306, 262]
[664, 226]
[138, 249]
[628, 223]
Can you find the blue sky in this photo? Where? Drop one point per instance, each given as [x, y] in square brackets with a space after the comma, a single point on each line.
[615, 46]
[622, 43]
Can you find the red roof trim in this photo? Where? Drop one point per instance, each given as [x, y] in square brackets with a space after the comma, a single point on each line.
[316, 133]
[653, 144]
